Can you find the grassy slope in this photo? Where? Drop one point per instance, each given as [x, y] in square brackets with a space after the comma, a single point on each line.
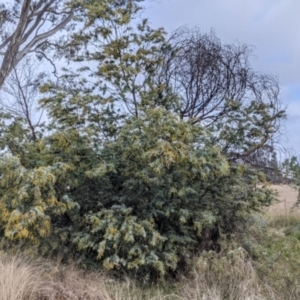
[232, 275]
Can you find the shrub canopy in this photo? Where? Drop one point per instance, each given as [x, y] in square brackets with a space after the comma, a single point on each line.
[118, 175]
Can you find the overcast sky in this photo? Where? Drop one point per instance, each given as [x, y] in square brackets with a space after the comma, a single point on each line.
[271, 26]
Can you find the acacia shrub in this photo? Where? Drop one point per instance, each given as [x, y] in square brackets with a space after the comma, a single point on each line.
[165, 192]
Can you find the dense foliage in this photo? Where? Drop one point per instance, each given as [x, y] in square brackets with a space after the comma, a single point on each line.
[117, 174]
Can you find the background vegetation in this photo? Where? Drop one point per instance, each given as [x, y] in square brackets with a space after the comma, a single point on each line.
[149, 156]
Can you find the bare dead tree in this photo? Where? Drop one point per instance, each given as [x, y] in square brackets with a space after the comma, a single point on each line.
[26, 26]
[217, 87]
[20, 94]
[203, 72]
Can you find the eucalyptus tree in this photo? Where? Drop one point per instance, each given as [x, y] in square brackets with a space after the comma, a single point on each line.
[26, 26]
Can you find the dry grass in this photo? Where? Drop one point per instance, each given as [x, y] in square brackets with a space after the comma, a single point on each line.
[229, 276]
[287, 196]
[281, 213]
[26, 279]
[201, 288]
[71, 283]
[221, 276]
[19, 278]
